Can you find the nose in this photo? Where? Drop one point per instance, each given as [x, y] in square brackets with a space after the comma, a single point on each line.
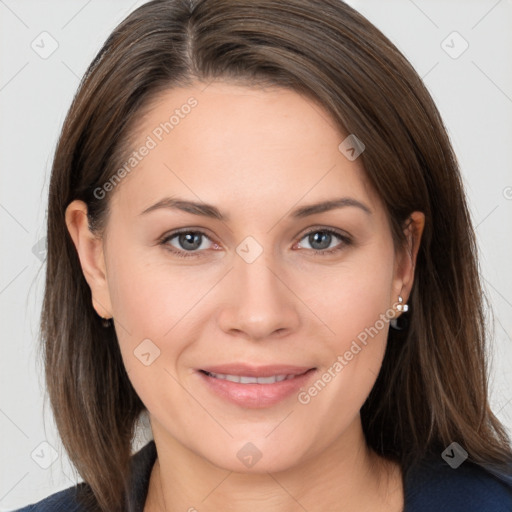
[258, 302]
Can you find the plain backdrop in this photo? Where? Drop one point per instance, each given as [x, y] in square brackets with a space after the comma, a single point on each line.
[463, 51]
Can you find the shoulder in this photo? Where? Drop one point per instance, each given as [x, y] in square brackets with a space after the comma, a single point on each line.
[433, 485]
[62, 501]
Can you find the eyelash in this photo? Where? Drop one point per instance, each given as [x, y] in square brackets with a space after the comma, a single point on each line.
[345, 241]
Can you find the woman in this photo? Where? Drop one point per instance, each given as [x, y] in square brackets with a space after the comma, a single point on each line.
[258, 235]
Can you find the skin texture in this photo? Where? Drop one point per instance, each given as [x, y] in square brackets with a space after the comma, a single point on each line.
[256, 154]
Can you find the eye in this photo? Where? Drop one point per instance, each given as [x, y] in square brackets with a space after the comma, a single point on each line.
[188, 243]
[320, 240]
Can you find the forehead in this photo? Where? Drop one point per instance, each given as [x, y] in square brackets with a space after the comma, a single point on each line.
[224, 141]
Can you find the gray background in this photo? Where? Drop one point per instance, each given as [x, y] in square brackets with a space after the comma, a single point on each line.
[472, 88]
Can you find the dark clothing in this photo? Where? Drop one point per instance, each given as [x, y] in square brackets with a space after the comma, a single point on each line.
[432, 486]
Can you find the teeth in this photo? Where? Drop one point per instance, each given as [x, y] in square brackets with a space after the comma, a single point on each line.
[242, 379]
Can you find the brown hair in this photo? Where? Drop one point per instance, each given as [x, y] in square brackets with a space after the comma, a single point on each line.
[432, 388]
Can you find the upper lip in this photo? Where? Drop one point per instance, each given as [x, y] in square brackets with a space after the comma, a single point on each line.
[256, 371]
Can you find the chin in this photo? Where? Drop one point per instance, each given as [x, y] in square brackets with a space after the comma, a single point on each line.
[253, 457]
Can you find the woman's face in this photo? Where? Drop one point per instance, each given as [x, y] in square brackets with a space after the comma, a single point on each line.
[252, 288]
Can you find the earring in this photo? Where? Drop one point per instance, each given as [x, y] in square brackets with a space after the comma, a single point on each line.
[400, 306]
[105, 322]
[401, 322]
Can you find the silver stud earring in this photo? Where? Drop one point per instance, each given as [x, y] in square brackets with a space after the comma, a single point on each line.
[400, 306]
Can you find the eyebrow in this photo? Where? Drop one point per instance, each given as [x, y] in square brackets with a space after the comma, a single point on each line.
[208, 210]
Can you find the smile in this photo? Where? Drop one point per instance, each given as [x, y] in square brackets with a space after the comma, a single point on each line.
[253, 391]
[242, 379]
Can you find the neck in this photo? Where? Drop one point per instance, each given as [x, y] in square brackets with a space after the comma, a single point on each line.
[346, 476]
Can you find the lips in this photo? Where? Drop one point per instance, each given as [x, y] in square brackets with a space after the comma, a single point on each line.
[255, 387]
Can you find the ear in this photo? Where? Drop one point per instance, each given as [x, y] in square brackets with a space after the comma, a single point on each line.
[91, 254]
[406, 256]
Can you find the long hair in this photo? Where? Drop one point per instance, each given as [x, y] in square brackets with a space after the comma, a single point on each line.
[433, 385]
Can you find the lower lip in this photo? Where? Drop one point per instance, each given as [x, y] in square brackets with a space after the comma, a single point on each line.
[256, 396]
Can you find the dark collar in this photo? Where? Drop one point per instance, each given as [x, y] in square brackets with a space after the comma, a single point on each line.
[142, 464]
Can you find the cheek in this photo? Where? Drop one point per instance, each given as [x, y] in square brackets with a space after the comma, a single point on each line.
[351, 297]
[150, 294]
[356, 307]
[150, 305]
[156, 306]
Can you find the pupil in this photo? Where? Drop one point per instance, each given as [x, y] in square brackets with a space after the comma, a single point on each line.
[190, 238]
[314, 238]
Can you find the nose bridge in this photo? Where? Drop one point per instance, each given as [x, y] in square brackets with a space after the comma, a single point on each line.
[253, 268]
[259, 302]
